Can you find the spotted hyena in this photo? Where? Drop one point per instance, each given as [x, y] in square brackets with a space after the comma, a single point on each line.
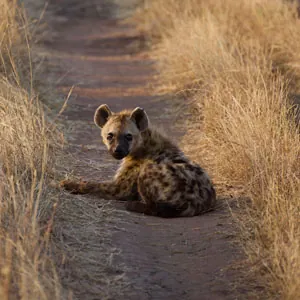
[155, 177]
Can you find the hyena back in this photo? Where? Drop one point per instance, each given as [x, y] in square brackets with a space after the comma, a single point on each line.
[155, 177]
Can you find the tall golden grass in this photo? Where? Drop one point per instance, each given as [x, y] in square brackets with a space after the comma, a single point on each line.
[239, 61]
[27, 150]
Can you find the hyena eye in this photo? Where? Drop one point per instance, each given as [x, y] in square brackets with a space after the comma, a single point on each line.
[110, 136]
[129, 137]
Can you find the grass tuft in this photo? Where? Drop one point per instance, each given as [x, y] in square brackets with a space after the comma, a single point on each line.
[239, 62]
[27, 151]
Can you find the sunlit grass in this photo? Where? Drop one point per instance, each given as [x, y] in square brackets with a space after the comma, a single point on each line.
[239, 60]
[27, 152]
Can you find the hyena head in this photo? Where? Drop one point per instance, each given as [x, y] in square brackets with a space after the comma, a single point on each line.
[121, 132]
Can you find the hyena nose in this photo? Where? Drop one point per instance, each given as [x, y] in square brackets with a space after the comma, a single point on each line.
[118, 151]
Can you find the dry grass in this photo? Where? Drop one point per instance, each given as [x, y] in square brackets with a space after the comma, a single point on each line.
[240, 60]
[26, 154]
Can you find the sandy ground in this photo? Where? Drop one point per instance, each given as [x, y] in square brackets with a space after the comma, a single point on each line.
[108, 252]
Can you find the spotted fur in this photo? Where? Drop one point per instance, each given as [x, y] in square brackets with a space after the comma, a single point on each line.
[155, 177]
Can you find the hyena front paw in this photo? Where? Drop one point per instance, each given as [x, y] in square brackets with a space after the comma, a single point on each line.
[71, 185]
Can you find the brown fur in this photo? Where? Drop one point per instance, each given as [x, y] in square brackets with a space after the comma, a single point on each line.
[155, 177]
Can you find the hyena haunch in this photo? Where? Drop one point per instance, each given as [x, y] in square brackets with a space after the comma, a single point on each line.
[155, 177]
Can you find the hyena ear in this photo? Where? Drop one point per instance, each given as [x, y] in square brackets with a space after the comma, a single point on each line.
[102, 114]
[140, 118]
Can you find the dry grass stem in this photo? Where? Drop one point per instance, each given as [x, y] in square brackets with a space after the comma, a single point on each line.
[239, 61]
[27, 152]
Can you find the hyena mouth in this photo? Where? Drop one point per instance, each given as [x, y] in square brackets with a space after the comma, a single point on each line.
[119, 155]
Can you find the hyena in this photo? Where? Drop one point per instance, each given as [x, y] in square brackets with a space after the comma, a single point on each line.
[155, 177]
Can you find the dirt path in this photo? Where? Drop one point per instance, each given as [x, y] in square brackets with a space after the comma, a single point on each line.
[185, 258]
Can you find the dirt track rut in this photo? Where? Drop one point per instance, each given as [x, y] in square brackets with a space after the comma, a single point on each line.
[185, 258]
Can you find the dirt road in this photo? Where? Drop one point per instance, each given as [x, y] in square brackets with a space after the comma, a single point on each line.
[110, 253]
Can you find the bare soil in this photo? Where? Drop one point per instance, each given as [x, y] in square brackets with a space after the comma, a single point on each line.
[110, 253]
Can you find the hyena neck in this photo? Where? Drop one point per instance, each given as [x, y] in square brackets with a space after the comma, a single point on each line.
[153, 144]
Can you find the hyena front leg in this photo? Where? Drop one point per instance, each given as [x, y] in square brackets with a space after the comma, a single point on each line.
[108, 190]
